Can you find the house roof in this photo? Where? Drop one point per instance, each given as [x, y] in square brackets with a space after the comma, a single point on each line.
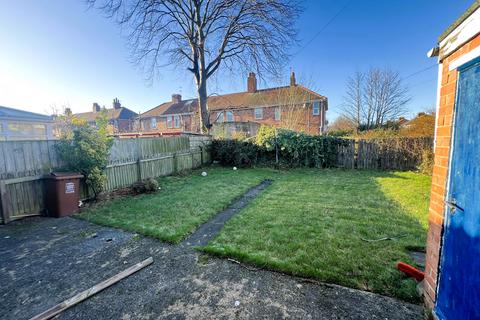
[184, 106]
[6, 112]
[241, 100]
[112, 114]
[459, 21]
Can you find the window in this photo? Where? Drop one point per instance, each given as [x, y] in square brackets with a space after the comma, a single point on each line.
[230, 116]
[177, 121]
[169, 121]
[153, 123]
[258, 113]
[278, 114]
[316, 108]
[219, 117]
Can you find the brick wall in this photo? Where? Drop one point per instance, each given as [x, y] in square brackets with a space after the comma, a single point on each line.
[445, 110]
[185, 125]
[301, 119]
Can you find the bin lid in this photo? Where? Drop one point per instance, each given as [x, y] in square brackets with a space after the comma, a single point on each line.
[64, 175]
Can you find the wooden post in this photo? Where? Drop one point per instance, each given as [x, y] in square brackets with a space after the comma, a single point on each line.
[5, 202]
[139, 163]
[174, 159]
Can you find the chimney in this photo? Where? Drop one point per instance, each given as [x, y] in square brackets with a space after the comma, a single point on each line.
[96, 107]
[176, 98]
[116, 104]
[251, 82]
[293, 82]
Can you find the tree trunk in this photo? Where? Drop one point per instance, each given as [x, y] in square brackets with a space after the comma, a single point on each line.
[202, 107]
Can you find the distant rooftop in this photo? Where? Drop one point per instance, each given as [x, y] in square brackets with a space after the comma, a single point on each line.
[12, 113]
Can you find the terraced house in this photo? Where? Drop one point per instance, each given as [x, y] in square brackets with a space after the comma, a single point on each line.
[292, 107]
[120, 118]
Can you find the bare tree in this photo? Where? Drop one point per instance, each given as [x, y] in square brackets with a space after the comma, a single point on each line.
[291, 102]
[342, 123]
[374, 98]
[353, 106]
[205, 34]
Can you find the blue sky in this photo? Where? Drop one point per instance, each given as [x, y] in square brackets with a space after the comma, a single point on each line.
[56, 53]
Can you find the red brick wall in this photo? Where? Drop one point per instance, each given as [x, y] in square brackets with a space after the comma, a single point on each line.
[185, 125]
[302, 120]
[440, 170]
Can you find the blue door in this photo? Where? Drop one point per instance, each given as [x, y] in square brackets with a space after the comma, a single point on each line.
[458, 294]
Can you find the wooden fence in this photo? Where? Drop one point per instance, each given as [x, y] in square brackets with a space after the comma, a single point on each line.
[384, 154]
[24, 163]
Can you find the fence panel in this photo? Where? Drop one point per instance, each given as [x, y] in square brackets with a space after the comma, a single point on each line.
[346, 155]
[23, 163]
[157, 167]
[392, 153]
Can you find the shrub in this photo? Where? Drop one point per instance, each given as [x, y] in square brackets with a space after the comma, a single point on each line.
[148, 185]
[151, 185]
[85, 149]
[426, 166]
[234, 152]
[265, 136]
[292, 149]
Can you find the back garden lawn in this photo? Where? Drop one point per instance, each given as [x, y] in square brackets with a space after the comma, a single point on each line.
[311, 223]
[183, 204]
[308, 222]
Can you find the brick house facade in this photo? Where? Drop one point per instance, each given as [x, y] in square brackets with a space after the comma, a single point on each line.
[457, 45]
[294, 107]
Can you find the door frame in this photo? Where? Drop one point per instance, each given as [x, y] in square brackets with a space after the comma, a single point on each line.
[446, 216]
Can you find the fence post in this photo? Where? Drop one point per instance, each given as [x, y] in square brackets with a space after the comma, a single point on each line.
[4, 198]
[139, 163]
[174, 158]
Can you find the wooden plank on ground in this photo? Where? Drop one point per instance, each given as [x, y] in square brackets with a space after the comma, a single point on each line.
[50, 313]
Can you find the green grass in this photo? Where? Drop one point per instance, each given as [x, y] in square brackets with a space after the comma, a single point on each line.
[311, 223]
[307, 223]
[184, 203]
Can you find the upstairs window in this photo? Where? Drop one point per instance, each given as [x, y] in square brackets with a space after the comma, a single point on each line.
[316, 108]
[278, 114]
[230, 117]
[258, 113]
[153, 123]
[220, 117]
[169, 121]
[177, 121]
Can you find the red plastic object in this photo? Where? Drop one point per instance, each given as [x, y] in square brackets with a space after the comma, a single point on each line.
[411, 271]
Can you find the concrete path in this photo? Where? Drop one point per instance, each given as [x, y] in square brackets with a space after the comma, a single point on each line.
[209, 230]
[44, 261]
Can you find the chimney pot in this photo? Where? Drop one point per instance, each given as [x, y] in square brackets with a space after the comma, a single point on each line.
[116, 104]
[96, 107]
[251, 82]
[293, 81]
[176, 98]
